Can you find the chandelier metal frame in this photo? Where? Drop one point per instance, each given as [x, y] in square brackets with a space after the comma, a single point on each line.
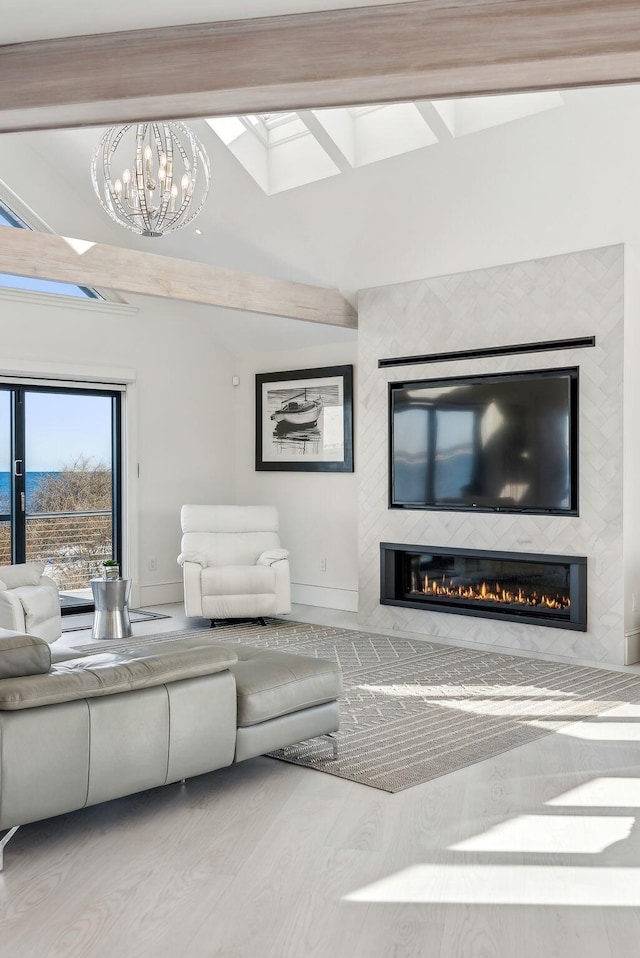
[165, 183]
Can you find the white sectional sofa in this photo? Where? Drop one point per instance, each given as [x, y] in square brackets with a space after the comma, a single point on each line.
[93, 728]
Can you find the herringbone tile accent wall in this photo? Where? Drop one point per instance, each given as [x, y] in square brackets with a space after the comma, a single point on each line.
[578, 294]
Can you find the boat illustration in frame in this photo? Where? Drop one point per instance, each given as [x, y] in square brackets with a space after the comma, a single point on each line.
[304, 420]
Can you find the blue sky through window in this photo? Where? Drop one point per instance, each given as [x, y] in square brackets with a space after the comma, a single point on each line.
[60, 428]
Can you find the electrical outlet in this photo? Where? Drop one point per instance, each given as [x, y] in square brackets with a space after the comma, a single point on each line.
[323, 564]
[152, 564]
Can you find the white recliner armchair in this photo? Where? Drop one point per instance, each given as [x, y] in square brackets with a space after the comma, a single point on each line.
[232, 562]
[29, 601]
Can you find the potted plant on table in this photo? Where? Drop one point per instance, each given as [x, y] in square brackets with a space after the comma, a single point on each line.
[111, 569]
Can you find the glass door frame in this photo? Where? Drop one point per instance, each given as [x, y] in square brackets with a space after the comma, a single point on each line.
[18, 466]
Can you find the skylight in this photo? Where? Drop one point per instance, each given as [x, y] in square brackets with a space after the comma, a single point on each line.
[277, 149]
[285, 150]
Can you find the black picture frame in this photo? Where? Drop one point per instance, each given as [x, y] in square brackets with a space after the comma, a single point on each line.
[304, 420]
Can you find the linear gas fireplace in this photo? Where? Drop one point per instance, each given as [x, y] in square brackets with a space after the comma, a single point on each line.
[546, 590]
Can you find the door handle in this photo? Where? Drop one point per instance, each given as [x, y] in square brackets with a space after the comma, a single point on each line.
[16, 471]
[23, 504]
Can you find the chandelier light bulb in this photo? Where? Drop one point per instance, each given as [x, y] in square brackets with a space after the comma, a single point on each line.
[136, 170]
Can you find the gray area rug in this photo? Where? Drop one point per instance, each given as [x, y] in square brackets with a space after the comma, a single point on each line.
[81, 621]
[414, 710]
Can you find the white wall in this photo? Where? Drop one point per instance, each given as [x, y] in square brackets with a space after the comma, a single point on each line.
[178, 430]
[318, 510]
[631, 498]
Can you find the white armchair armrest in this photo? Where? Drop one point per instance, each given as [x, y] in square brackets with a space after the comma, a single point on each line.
[278, 560]
[11, 612]
[198, 557]
[192, 588]
[271, 556]
[49, 583]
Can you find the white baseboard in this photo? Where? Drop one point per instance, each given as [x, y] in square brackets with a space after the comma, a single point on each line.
[158, 593]
[345, 600]
[632, 647]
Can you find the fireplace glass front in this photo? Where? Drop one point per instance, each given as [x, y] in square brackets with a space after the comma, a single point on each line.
[547, 590]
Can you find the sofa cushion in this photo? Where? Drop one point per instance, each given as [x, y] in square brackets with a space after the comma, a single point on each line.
[26, 573]
[107, 673]
[274, 683]
[22, 654]
[41, 611]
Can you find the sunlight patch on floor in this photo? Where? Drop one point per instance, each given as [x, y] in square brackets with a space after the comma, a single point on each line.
[602, 793]
[506, 885]
[555, 834]
[605, 731]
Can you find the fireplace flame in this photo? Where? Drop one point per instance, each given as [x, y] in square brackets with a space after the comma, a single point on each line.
[492, 592]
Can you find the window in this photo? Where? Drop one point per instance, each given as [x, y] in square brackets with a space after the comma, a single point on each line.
[9, 281]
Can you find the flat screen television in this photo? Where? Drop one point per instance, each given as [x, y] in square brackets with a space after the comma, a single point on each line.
[503, 443]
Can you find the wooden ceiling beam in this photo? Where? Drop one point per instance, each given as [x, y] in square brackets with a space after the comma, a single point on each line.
[422, 49]
[43, 256]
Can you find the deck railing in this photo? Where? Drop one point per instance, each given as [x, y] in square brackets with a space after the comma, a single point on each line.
[73, 545]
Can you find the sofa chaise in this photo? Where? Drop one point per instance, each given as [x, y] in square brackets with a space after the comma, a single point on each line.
[100, 726]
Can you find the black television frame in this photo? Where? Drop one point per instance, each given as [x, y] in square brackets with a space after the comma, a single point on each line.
[573, 374]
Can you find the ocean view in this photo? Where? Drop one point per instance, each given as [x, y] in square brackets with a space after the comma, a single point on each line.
[68, 522]
[33, 480]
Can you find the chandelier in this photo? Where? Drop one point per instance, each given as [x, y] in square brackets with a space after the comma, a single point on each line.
[151, 178]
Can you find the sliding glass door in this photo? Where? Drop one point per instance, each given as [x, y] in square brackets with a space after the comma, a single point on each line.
[60, 483]
[6, 498]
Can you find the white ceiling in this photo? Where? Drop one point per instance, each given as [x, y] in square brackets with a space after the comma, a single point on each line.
[41, 19]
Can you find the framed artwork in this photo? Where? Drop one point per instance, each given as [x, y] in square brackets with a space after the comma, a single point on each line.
[304, 420]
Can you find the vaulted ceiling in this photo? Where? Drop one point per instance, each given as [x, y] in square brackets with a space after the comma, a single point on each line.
[373, 224]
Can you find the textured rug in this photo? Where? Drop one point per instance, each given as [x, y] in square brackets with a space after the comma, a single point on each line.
[80, 621]
[414, 710]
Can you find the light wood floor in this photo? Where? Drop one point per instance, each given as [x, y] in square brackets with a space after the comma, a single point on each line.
[533, 854]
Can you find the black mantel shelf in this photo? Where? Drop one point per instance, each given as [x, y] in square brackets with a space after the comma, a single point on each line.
[579, 342]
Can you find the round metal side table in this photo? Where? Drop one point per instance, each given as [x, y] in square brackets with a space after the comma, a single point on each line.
[111, 618]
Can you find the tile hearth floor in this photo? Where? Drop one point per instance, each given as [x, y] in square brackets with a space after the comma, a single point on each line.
[533, 852]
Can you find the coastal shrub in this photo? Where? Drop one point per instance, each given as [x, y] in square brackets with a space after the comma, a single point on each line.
[74, 546]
